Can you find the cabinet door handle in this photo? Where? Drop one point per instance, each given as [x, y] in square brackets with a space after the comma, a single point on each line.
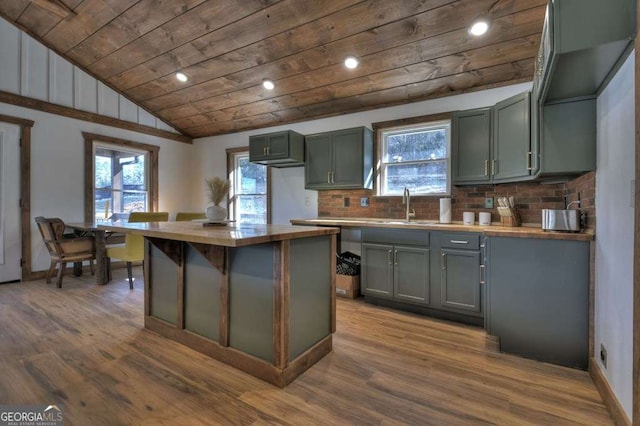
[493, 167]
[529, 161]
[482, 274]
[333, 177]
[395, 257]
[444, 261]
[459, 242]
[486, 167]
[268, 149]
[328, 177]
[389, 257]
[264, 150]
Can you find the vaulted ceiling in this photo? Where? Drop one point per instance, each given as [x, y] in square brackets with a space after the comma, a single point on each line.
[409, 50]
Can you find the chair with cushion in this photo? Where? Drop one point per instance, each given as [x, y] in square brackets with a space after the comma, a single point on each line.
[186, 216]
[63, 250]
[148, 217]
[133, 248]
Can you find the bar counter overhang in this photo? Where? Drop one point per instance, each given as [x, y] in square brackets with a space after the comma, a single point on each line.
[260, 298]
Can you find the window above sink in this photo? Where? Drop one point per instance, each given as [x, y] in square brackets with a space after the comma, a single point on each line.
[415, 156]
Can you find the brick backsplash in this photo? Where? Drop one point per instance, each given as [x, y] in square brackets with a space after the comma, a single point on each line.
[530, 199]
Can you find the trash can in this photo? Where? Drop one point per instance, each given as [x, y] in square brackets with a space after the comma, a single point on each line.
[348, 275]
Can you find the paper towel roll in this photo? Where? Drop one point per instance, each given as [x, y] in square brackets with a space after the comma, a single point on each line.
[445, 210]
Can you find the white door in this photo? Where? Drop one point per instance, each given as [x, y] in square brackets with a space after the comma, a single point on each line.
[10, 243]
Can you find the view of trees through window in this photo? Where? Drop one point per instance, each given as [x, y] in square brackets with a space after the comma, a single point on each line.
[250, 190]
[120, 182]
[415, 158]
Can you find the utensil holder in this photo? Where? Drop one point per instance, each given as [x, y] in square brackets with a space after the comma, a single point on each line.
[508, 216]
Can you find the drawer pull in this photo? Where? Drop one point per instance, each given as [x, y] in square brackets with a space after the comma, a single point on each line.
[459, 242]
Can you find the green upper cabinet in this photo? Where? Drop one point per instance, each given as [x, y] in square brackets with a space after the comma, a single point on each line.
[512, 154]
[339, 160]
[493, 145]
[568, 138]
[581, 43]
[471, 145]
[279, 149]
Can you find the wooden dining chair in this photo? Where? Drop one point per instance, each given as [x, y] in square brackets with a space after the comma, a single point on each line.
[133, 248]
[186, 216]
[63, 250]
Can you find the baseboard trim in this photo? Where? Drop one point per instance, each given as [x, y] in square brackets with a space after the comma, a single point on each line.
[609, 397]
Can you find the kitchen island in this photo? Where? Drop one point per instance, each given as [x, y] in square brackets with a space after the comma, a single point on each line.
[260, 298]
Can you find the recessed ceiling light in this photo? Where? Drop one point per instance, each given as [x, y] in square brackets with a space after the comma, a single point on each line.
[181, 77]
[268, 84]
[478, 28]
[351, 62]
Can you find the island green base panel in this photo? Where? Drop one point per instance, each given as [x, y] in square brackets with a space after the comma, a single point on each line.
[309, 308]
[251, 299]
[201, 295]
[251, 285]
[164, 294]
[266, 309]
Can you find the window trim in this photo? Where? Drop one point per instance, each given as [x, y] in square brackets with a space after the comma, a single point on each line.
[231, 155]
[92, 140]
[423, 120]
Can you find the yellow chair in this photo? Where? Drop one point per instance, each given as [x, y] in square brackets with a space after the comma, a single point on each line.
[133, 248]
[135, 217]
[186, 216]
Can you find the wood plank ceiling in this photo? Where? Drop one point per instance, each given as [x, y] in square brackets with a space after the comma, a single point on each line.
[409, 50]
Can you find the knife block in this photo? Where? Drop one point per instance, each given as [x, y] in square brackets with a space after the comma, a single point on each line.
[512, 220]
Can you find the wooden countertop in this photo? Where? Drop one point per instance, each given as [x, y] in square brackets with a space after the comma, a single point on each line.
[231, 235]
[493, 230]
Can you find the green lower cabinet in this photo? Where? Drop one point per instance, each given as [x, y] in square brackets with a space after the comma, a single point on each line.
[395, 272]
[460, 281]
[377, 270]
[411, 274]
[538, 298]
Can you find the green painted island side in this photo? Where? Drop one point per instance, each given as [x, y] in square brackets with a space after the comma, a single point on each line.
[266, 308]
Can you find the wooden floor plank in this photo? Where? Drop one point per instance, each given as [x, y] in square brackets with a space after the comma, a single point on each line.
[84, 347]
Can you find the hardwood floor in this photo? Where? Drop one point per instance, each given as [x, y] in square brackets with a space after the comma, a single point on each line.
[84, 348]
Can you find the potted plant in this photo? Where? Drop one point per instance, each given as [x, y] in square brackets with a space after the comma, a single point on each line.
[218, 190]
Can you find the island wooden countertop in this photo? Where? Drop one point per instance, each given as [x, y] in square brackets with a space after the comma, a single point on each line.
[230, 235]
[493, 230]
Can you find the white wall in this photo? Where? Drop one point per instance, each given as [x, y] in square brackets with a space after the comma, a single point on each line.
[289, 198]
[615, 229]
[57, 170]
[30, 69]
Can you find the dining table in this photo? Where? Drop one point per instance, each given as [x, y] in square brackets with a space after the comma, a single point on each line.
[100, 235]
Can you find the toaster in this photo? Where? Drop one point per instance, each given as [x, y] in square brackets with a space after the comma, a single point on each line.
[561, 220]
